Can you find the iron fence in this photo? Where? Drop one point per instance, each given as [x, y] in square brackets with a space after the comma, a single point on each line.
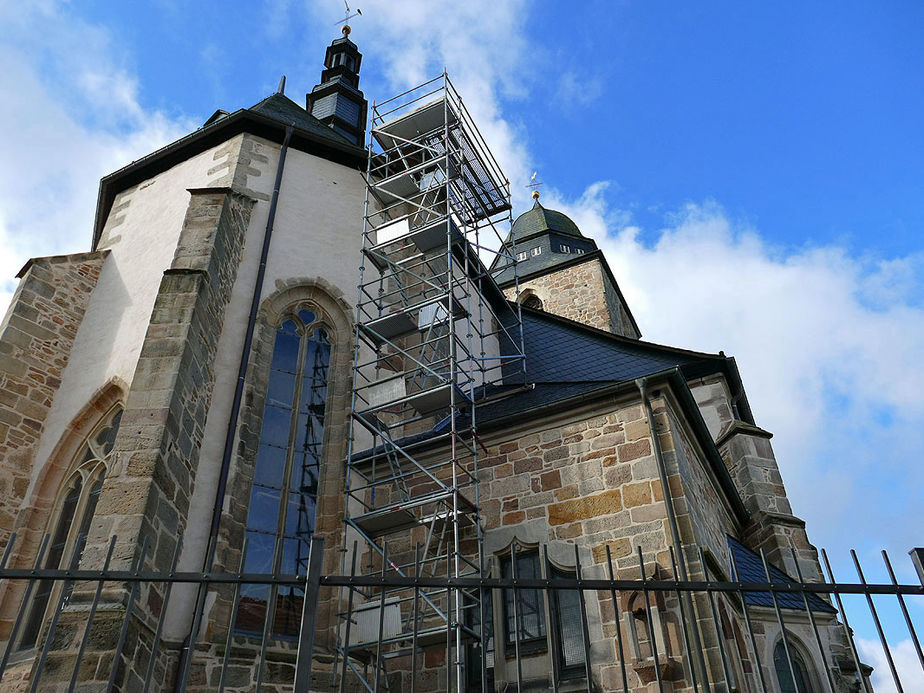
[706, 659]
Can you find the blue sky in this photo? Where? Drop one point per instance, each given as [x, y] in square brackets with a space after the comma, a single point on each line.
[754, 172]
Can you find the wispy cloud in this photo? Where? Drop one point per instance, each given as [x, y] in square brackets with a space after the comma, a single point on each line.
[906, 665]
[72, 114]
[836, 376]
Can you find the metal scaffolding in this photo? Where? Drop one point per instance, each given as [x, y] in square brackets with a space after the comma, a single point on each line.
[434, 337]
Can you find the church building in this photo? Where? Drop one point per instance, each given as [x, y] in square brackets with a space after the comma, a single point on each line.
[205, 390]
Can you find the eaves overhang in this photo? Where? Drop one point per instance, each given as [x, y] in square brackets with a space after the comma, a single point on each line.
[239, 122]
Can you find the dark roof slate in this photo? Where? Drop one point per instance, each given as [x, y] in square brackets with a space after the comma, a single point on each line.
[280, 107]
[565, 359]
[750, 568]
[539, 219]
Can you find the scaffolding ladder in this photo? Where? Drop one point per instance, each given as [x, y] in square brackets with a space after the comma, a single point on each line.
[434, 337]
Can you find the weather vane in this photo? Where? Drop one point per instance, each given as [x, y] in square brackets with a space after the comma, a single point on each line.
[534, 185]
[347, 17]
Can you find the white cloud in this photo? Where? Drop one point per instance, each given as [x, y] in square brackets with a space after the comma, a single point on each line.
[836, 376]
[481, 45]
[906, 664]
[828, 344]
[71, 115]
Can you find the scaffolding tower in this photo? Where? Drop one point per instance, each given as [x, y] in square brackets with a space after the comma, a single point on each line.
[435, 337]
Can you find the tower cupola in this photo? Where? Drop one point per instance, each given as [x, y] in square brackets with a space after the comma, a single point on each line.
[337, 100]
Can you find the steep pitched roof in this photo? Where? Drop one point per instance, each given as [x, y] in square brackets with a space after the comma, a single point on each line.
[565, 359]
[280, 107]
[268, 119]
[750, 568]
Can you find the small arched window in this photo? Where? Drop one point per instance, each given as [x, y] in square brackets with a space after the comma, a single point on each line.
[533, 301]
[802, 683]
[283, 497]
[74, 512]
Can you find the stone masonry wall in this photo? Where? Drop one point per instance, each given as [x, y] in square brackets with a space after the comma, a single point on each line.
[593, 483]
[578, 293]
[146, 495]
[35, 343]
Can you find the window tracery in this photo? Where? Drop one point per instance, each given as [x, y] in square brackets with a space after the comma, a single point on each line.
[76, 506]
[283, 498]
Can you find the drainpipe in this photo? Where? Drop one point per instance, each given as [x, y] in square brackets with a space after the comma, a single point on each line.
[642, 384]
[189, 641]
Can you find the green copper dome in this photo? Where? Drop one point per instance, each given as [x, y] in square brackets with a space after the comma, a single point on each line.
[540, 219]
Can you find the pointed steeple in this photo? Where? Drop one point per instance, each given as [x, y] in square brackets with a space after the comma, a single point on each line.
[337, 100]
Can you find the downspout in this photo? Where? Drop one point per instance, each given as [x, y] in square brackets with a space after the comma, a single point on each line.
[189, 640]
[642, 384]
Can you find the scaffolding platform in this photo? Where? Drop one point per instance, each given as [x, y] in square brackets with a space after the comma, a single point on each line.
[434, 332]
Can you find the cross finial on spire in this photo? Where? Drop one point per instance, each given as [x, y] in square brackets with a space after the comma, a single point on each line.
[345, 29]
[534, 185]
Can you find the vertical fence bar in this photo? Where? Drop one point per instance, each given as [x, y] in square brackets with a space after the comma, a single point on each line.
[779, 618]
[847, 632]
[747, 620]
[349, 622]
[882, 637]
[26, 602]
[91, 616]
[617, 619]
[126, 621]
[516, 615]
[378, 645]
[651, 631]
[726, 670]
[8, 550]
[552, 632]
[585, 634]
[52, 627]
[168, 589]
[811, 617]
[309, 616]
[901, 602]
[235, 604]
[416, 610]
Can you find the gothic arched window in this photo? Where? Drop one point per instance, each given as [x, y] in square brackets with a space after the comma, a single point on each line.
[281, 516]
[803, 683]
[533, 301]
[71, 522]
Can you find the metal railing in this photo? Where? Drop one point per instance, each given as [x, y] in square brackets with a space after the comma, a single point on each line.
[644, 618]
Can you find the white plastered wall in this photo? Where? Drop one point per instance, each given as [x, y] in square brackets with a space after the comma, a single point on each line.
[110, 337]
[317, 233]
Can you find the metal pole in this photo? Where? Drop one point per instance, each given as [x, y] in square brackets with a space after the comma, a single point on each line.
[309, 616]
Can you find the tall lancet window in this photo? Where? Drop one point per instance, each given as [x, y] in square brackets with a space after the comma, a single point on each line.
[71, 522]
[284, 494]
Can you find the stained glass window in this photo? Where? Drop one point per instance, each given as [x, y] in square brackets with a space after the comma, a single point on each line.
[75, 511]
[284, 493]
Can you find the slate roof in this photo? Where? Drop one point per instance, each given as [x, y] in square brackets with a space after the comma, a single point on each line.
[565, 359]
[280, 107]
[539, 219]
[548, 230]
[750, 568]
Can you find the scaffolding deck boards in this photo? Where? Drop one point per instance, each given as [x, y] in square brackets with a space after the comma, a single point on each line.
[433, 334]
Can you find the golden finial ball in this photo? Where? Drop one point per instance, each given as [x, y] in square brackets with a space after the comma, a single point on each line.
[535, 194]
[346, 30]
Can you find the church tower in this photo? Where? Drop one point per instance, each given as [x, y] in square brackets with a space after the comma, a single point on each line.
[562, 271]
[337, 100]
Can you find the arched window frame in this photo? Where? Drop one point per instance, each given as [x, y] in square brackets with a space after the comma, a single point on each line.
[801, 662]
[89, 467]
[309, 322]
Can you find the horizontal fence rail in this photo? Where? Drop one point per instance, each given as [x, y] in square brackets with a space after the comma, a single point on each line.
[742, 665]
